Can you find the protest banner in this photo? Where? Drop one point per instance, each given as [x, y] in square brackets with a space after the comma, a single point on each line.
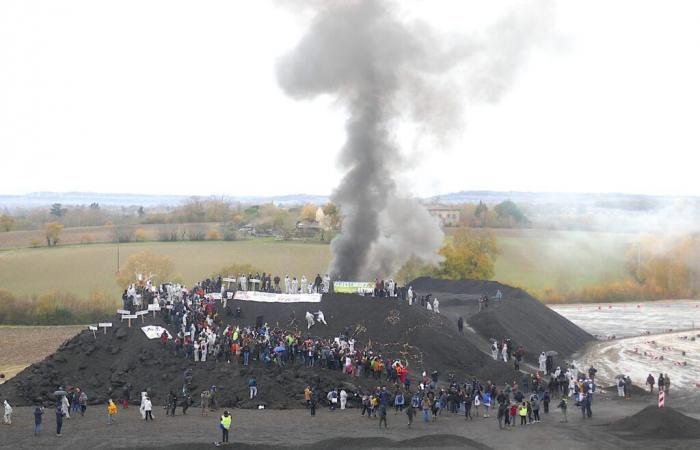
[104, 325]
[155, 332]
[353, 287]
[268, 297]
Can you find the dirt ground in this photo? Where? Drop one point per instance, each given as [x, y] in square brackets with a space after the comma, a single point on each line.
[22, 346]
[338, 430]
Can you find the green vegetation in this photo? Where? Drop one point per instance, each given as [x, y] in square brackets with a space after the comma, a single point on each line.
[82, 269]
[532, 259]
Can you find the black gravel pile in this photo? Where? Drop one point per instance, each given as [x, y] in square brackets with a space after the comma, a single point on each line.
[518, 315]
[125, 355]
[658, 423]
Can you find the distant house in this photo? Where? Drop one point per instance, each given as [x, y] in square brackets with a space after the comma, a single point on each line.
[448, 216]
[307, 229]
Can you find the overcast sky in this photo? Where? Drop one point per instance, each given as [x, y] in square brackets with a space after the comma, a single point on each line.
[171, 97]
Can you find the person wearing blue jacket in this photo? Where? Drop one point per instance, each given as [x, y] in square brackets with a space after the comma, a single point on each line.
[486, 399]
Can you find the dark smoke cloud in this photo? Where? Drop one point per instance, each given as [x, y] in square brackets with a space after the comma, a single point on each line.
[384, 70]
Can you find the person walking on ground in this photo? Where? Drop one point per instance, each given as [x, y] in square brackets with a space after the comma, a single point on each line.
[410, 412]
[502, 415]
[253, 387]
[563, 406]
[148, 409]
[343, 399]
[38, 413]
[535, 406]
[545, 402]
[382, 415]
[307, 396]
[468, 406]
[59, 419]
[7, 418]
[225, 425]
[82, 401]
[186, 402]
[426, 409]
[460, 325]
[312, 404]
[621, 387]
[126, 395]
[204, 402]
[172, 404]
[650, 382]
[111, 412]
[522, 411]
[65, 407]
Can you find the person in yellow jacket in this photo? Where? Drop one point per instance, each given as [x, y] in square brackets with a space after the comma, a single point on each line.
[225, 426]
[307, 396]
[111, 412]
[522, 411]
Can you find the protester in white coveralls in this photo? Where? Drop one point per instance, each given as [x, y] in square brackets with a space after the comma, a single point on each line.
[320, 318]
[309, 320]
[7, 418]
[436, 306]
[543, 362]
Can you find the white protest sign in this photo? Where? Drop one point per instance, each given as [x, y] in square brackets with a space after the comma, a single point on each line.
[123, 311]
[129, 317]
[268, 297]
[153, 308]
[104, 325]
[155, 332]
[93, 328]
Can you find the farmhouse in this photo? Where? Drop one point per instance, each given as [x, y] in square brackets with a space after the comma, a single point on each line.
[448, 216]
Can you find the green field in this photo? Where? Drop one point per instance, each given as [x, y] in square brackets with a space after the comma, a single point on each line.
[533, 259]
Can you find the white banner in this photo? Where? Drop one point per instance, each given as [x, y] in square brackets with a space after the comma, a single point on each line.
[154, 332]
[257, 296]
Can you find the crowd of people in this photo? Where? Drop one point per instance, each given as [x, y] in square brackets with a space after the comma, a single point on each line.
[201, 335]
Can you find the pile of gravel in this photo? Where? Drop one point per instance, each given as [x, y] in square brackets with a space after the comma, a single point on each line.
[102, 365]
[658, 423]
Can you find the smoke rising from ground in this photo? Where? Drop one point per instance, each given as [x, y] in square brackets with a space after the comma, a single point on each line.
[383, 70]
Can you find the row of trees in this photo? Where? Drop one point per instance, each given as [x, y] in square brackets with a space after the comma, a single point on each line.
[506, 214]
[658, 267]
[266, 216]
[468, 254]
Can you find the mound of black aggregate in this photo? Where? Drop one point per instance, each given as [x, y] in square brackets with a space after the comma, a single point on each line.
[102, 365]
[658, 423]
[518, 315]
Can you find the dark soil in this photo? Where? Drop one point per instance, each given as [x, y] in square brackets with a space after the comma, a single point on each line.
[426, 340]
[518, 316]
[658, 423]
[349, 443]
